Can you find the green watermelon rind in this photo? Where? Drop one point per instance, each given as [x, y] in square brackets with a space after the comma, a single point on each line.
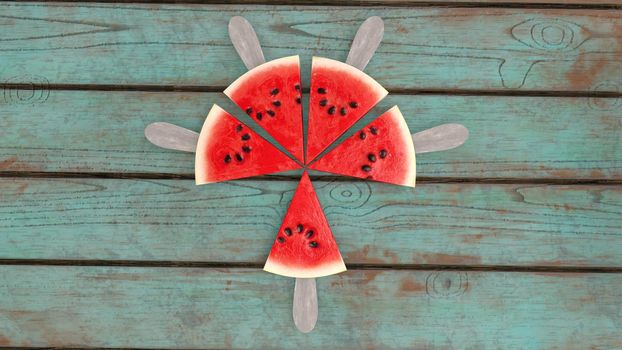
[262, 68]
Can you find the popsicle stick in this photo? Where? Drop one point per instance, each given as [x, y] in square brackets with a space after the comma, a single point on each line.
[440, 138]
[245, 41]
[304, 309]
[365, 43]
[171, 136]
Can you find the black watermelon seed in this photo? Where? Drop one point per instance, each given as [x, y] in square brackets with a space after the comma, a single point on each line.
[373, 130]
[297, 87]
[321, 91]
[323, 102]
[313, 244]
[258, 115]
[238, 157]
[238, 128]
[371, 157]
[331, 110]
[249, 111]
[276, 103]
[270, 112]
[281, 239]
[353, 104]
[298, 101]
[274, 92]
[362, 135]
[288, 231]
[246, 137]
[309, 234]
[383, 153]
[366, 168]
[299, 228]
[228, 158]
[342, 111]
[246, 149]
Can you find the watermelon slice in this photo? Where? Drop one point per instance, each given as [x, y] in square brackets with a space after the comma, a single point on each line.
[227, 149]
[271, 95]
[381, 151]
[340, 96]
[305, 246]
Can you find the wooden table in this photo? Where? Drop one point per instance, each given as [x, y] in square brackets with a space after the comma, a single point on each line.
[513, 241]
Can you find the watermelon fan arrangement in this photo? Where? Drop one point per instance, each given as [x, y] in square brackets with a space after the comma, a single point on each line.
[340, 95]
[271, 94]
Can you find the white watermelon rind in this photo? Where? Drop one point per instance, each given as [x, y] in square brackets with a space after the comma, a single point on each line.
[410, 178]
[328, 63]
[323, 270]
[262, 68]
[201, 171]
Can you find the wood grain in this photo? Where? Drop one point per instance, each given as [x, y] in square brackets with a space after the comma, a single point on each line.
[510, 137]
[423, 48]
[239, 308]
[236, 222]
[414, 3]
[524, 3]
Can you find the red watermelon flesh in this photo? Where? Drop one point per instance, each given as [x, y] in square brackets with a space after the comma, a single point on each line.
[381, 151]
[340, 96]
[271, 94]
[305, 246]
[227, 149]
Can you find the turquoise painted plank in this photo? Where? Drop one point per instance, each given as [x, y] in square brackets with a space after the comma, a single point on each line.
[424, 48]
[510, 137]
[236, 222]
[482, 2]
[241, 309]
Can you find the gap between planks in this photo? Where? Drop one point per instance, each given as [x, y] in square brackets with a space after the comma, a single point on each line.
[527, 4]
[89, 348]
[252, 265]
[218, 89]
[420, 180]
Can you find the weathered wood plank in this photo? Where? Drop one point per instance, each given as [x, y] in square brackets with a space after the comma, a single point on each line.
[424, 48]
[586, 3]
[221, 308]
[457, 2]
[510, 137]
[236, 222]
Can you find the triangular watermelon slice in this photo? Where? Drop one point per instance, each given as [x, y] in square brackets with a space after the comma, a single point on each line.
[271, 94]
[340, 96]
[227, 149]
[305, 246]
[381, 151]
